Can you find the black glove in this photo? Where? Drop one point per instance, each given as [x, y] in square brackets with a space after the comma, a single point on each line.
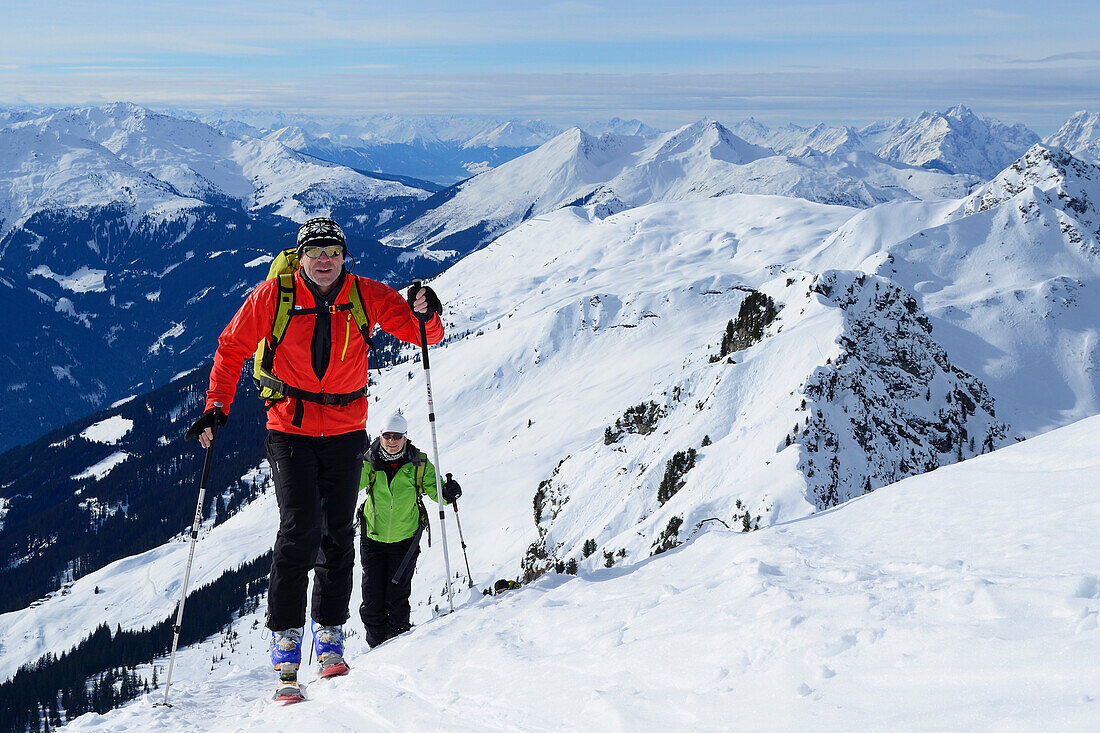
[451, 490]
[206, 421]
[434, 306]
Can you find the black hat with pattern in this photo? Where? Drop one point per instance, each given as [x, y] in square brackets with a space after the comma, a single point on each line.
[319, 232]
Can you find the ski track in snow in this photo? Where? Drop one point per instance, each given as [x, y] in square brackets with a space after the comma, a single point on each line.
[963, 599]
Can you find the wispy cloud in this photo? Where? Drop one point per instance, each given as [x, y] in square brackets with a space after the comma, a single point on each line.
[811, 60]
[1039, 97]
[1071, 56]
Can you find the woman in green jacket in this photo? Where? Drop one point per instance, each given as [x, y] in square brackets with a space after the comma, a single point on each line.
[395, 476]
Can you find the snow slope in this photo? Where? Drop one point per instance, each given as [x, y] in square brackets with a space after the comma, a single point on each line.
[939, 603]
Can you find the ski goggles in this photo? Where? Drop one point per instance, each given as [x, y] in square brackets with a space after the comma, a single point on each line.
[332, 250]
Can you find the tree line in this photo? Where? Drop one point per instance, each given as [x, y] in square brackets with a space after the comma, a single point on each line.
[100, 673]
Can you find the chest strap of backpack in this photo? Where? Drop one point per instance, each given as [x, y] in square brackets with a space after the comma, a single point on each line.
[277, 389]
[421, 464]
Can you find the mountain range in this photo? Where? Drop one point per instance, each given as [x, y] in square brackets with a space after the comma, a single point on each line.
[445, 149]
[649, 337]
[613, 173]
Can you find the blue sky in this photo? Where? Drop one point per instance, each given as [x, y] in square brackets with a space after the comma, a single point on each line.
[662, 62]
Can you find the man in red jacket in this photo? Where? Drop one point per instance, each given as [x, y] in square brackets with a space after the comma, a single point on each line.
[316, 433]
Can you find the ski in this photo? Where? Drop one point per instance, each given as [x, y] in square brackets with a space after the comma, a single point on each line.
[288, 691]
[333, 666]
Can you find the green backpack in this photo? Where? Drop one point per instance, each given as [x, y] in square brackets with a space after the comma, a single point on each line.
[272, 388]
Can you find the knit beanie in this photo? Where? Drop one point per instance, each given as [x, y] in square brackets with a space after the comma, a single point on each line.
[320, 231]
[395, 423]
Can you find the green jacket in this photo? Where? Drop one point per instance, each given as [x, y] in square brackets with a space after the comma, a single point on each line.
[391, 511]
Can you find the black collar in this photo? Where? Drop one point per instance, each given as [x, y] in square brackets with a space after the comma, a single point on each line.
[319, 298]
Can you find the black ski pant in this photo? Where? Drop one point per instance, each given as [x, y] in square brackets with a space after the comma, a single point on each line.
[316, 484]
[385, 609]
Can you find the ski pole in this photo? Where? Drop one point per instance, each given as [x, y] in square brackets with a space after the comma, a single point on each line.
[194, 539]
[462, 539]
[435, 443]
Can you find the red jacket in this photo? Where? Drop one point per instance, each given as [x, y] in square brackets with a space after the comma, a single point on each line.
[347, 367]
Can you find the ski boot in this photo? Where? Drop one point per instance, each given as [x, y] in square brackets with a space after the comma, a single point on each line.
[286, 656]
[329, 646]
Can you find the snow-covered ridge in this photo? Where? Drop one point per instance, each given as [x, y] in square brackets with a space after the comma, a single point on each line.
[952, 141]
[1009, 276]
[613, 173]
[122, 153]
[1067, 181]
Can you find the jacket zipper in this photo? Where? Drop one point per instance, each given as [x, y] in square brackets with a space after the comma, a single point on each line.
[389, 527]
[347, 335]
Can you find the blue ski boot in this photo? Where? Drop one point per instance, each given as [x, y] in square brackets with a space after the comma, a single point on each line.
[328, 644]
[286, 656]
[286, 650]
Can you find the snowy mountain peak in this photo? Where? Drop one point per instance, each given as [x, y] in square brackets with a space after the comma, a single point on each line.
[959, 141]
[1080, 135]
[794, 140]
[751, 130]
[826, 140]
[1072, 182]
[292, 136]
[962, 112]
[711, 139]
[572, 153]
[514, 134]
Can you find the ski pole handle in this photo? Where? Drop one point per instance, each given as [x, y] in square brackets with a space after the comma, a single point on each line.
[217, 409]
[426, 315]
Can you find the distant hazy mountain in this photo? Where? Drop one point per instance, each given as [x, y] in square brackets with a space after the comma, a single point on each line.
[616, 172]
[798, 141]
[441, 149]
[428, 164]
[956, 141]
[959, 141]
[1080, 135]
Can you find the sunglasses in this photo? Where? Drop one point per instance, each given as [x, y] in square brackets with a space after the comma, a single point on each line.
[332, 250]
[392, 436]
